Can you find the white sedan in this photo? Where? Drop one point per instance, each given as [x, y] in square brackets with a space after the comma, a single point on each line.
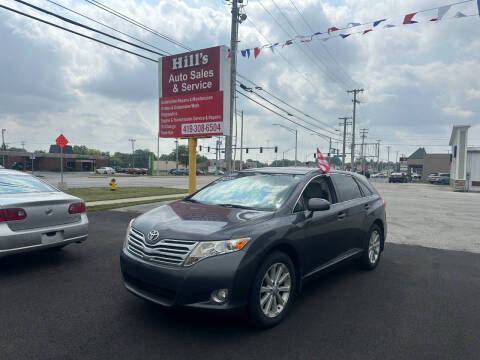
[105, 170]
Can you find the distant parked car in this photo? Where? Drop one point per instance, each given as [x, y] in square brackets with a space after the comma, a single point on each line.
[1, 167]
[400, 177]
[178, 172]
[34, 215]
[17, 166]
[415, 176]
[136, 171]
[432, 178]
[443, 179]
[105, 170]
[200, 172]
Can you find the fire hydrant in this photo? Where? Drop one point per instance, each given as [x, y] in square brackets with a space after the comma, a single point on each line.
[113, 184]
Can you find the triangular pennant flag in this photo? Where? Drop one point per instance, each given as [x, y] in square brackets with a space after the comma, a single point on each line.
[375, 23]
[389, 26]
[319, 33]
[248, 52]
[345, 35]
[271, 48]
[243, 52]
[366, 31]
[408, 18]
[229, 54]
[353, 24]
[460, 15]
[442, 10]
[256, 52]
[305, 41]
[333, 28]
[322, 162]
[288, 42]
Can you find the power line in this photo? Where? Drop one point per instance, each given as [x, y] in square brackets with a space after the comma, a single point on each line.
[137, 23]
[105, 25]
[258, 87]
[321, 43]
[76, 33]
[85, 26]
[273, 111]
[245, 88]
[325, 71]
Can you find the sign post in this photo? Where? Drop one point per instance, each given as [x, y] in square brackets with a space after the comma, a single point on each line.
[61, 142]
[194, 98]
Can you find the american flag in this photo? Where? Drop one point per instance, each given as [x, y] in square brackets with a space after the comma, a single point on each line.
[322, 162]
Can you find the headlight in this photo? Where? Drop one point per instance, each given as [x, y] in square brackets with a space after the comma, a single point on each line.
[205, 249]
[128, 232]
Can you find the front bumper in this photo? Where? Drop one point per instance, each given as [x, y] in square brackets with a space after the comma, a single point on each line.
[13, 242]
[188, 286]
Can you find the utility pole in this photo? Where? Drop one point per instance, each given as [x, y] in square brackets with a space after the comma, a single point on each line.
[388, 154]
[378, 154]
[241, 141]
[158, 155]
[233, 80]
[176, 151]
[23, 144]
[4, 147]
[345, 123]
[355, 102]
[133, 151]
[364, 133]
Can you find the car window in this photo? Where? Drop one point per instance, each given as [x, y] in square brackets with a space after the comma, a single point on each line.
[258, 191]
[347, 188]
[317, 188]
[365, 190]
[17, 184]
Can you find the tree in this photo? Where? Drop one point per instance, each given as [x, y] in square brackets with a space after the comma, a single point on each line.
[182, 156]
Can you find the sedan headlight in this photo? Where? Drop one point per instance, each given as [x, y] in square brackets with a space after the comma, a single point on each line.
[128, 232]
[205, 249]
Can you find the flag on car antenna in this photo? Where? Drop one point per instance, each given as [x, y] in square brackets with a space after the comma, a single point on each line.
[322, 162]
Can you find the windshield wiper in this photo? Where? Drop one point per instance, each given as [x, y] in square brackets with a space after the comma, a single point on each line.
[238, 206]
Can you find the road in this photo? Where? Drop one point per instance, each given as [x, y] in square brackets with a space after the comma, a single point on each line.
[419, 303]
[75, 180]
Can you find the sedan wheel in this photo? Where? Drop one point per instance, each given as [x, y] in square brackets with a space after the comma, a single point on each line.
[373, 249]
[272, 291]
[275, 290]
[374, 246]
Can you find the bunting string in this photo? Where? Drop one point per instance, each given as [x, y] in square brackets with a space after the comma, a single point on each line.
[346, 31]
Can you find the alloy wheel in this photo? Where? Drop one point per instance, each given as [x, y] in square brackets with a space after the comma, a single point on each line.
[374, 247]
[275, 290]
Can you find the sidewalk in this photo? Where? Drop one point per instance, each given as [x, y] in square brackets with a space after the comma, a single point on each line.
[131, 200]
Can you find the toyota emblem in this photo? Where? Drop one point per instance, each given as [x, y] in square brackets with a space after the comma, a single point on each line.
[153, 235]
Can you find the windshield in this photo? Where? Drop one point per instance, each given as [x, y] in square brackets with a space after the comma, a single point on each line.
[17, 184]
[257, 191]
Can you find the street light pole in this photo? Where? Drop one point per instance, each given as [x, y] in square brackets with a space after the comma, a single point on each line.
[293, 131]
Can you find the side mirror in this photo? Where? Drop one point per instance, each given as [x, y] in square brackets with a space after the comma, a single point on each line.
[318, 204]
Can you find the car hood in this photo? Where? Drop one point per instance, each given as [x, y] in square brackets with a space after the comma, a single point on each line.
[185, 220]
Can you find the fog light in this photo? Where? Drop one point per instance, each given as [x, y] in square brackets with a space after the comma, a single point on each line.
[220, 296]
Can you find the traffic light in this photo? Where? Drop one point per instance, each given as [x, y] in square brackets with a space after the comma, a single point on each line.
[314, 155]
[261, 149]
[208, 148]
[276, 149]
[200, 148]
[246, 150]
[328, 155]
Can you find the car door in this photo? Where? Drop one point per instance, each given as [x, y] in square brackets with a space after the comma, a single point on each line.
[369, 199]
[321, 230]
[352, 206]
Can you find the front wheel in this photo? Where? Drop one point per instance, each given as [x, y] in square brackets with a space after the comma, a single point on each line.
[371, 254]
[273, 290]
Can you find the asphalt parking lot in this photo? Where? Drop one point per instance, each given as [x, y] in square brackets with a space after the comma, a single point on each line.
[420, 303]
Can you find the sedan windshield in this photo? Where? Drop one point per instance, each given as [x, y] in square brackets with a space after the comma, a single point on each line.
[17, 184]
[245, 190]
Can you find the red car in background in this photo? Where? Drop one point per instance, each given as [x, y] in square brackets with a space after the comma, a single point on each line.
[136, 171]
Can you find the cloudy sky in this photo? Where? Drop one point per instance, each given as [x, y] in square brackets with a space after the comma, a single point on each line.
[419, 79]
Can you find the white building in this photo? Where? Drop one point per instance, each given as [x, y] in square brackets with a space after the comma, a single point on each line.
[465, 167]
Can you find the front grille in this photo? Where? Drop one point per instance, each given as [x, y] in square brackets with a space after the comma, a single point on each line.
[165, 251]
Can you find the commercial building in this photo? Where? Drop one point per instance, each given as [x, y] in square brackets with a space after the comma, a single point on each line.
[465, 171]
[424, 164]
[22, 160]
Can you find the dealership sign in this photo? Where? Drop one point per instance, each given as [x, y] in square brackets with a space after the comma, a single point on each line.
[194, 93]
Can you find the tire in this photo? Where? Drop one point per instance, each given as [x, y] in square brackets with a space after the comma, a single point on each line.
[372, 252]
[267, 315]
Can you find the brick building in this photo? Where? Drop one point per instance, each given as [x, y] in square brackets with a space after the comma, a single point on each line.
[51, 162]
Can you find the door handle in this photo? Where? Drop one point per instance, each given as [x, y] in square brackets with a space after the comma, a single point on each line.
[367, 206]
[341, 215]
